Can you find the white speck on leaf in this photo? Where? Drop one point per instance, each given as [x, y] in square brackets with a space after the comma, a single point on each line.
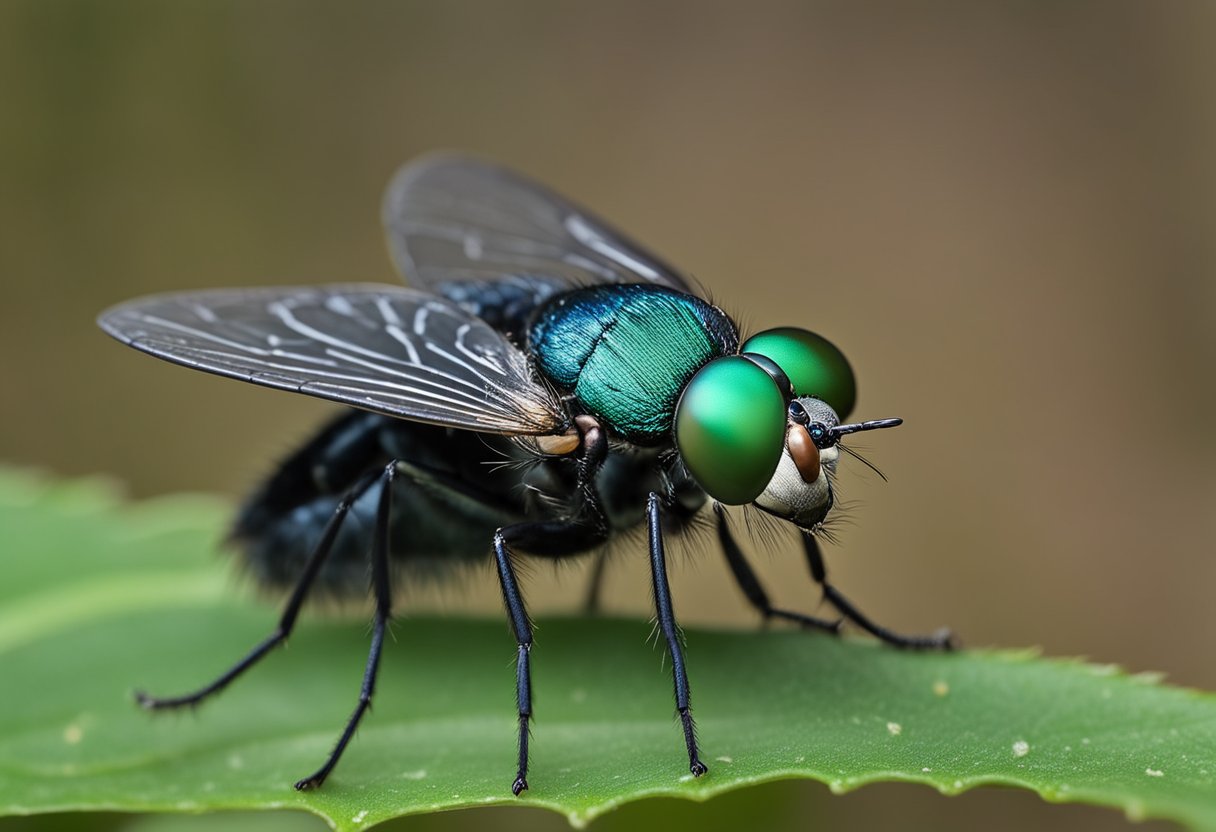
[1021, 748]
[894, 729]
[725, 759]
[420, 774]
[926, 769]
[359, 818]
[1152, 772]
[940, 688]
[73, 734]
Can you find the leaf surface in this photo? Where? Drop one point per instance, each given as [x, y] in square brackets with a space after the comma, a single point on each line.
[99, 598]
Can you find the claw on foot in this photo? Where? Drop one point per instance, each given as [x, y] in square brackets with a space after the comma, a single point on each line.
[698, 768]
[520, 785]
[309, 783]
[945, 639]
[941, 639]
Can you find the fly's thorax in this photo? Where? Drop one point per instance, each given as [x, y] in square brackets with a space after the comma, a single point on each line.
[625, 352]
[800, 489]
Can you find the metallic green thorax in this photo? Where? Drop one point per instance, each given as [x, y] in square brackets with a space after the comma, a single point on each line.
[626, 352]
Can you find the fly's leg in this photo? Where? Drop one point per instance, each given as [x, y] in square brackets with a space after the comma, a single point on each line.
[286, 622]
[941, 640]
[383, 592]
[521, 626]
[751, 587]
[591, 602]
[547, 539]
[671, 631]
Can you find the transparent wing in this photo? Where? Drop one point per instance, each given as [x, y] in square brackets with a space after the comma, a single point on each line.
[382, 348]
[456, 221]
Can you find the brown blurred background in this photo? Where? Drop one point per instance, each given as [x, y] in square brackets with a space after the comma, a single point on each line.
[1003, 213]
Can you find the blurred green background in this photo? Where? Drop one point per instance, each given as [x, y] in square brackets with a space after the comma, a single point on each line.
[1003, 213]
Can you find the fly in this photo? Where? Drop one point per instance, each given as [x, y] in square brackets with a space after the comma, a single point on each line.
[547, 386]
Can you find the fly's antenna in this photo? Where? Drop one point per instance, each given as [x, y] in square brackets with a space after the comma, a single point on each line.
[824, 436]
[834, 433]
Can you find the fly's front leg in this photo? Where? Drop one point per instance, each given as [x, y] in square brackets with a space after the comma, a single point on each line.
[671, 632]
[751, 587]
[941, 640]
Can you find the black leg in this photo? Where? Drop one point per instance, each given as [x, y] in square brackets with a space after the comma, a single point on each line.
[286, 622]
[383, 592]
[941, 640]
[671, 632]
[751, 587]
[547, 539]
[591, 603]
[521, 626]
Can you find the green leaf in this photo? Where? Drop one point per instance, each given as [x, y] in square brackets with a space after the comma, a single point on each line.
[99, 597]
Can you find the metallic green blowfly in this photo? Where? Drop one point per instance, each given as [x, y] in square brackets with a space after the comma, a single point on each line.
[538, 337]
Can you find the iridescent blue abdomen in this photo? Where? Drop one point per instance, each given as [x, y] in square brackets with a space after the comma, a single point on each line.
[627, 351]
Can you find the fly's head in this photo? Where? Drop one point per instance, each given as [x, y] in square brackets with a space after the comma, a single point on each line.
[801, 486]
[764, 427]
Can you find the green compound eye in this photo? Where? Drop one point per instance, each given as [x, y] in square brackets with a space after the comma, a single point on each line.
[730, 429]
[813, 363]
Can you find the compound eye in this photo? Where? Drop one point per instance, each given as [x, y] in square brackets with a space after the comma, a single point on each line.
[813, 363]
[730, 429]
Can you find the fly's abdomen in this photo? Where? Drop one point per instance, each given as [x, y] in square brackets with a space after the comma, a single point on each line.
[451, 492]
[626, 352]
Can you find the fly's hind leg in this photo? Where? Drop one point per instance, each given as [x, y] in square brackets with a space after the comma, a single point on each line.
[287, 620]
[941, 640]
[382, 589]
